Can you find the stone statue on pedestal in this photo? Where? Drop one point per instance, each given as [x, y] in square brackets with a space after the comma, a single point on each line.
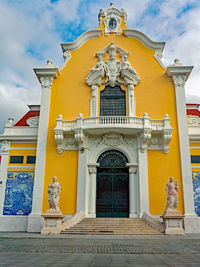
[52, 219]
[172, 195]
[172, 218]
[54, 194]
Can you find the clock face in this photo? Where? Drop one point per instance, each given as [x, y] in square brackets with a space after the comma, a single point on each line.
[112, 23]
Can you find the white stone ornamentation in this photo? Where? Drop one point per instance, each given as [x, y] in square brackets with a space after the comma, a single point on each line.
[193, 121]
[112, 139]
[112, 72]
[46, 82]
[112, 69]
[5, 147]
[112, 19]
[33, 121]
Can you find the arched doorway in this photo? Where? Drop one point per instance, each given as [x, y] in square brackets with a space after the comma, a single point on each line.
[112, 198]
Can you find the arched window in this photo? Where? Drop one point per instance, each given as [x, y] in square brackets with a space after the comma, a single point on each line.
[113, 101]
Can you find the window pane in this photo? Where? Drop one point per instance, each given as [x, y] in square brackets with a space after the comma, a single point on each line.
[16, 159]
[31, 159]
[195, 159]
[113, 101]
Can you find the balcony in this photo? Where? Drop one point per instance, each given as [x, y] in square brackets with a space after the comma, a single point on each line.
[145, 128]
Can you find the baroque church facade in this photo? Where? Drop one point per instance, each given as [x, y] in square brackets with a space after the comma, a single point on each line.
[111, 126]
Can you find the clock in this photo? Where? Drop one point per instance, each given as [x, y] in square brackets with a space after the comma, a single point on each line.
[112, 23]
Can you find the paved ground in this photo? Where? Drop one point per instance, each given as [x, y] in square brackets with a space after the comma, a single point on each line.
[22, 249]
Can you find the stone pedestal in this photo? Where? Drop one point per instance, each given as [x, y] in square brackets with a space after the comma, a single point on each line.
[174, 224]
[52, 220]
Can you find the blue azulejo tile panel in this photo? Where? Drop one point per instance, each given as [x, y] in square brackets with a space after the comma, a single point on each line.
[19, 192]
[196, 188]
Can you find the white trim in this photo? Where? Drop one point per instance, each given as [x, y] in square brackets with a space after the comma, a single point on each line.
[23, 142]
[179, 75]
[194, 147]
[21, 167]
[23, 148]
[81, 183]
[45, 76]
[20, 138]
[81, 40]
[143, 182]
[3, 178]
[144, 39]
[193, 141]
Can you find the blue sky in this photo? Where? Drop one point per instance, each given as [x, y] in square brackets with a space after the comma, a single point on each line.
[31, 33]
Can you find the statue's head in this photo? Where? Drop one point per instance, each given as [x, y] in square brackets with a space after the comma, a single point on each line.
[112, 51]
[171, 179]
[54, 179]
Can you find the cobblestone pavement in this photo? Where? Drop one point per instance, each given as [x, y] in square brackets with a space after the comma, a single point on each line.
[82, 250]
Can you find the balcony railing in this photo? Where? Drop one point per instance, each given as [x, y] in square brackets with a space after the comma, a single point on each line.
[113, 121]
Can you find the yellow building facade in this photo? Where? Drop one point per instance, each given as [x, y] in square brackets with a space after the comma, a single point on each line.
[112, 127]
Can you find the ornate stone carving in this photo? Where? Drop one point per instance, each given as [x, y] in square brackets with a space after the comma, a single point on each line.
[79, 137]
[46, 81]
[33, 121]
[167, 136]
[158, 56]
[179, 80]
[92, 169]
[112, 19]
[54, 194]
[128, 73]
[112, 139]
[67, 56]
[145, 139]
[193, 120]
[112, 66]
[112, 69]
[5, 147]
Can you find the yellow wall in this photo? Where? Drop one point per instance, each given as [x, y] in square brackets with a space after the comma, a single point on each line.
[70, 95]
[22, 152]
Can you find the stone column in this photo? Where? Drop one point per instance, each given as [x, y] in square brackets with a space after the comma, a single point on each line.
[133, 191]
[143, 182]
[93, 101]
[3, 172]
[45, 76]
[81, 183]
[92, 189]
[131, 100]
[179, 75]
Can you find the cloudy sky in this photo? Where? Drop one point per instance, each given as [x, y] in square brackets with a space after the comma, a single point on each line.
[31, 32]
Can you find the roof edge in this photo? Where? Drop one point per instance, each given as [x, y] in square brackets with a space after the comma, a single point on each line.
[81, 40]
[144, 39]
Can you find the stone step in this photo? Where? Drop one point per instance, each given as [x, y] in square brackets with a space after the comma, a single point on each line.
[118, 226]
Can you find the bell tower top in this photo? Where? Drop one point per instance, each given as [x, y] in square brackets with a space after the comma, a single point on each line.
[112, 18]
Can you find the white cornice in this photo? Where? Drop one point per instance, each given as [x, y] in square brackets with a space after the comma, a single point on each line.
[81, 40]
[179, 70]
[144, 39]
[18, 137]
